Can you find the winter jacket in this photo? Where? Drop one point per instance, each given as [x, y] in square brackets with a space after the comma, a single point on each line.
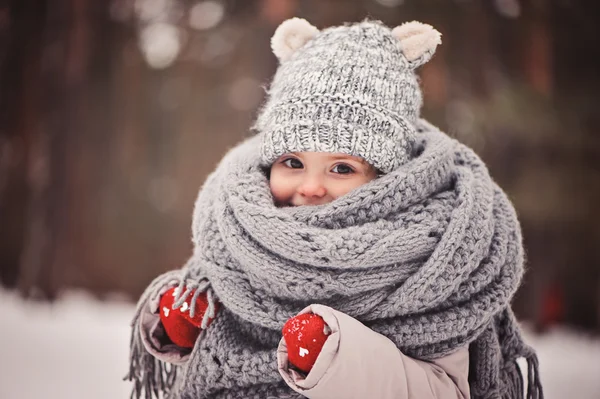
[355, 362]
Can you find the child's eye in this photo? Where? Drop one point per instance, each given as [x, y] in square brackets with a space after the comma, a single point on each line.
[293, 163]
[342, 169]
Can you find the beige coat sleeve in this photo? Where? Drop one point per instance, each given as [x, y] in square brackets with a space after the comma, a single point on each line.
[357, 362]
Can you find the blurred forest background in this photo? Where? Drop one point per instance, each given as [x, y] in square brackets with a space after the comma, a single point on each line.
[112, 113]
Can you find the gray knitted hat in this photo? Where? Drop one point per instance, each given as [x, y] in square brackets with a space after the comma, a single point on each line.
[350, 89]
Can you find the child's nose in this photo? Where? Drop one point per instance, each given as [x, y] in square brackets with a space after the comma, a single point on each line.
[312, 186]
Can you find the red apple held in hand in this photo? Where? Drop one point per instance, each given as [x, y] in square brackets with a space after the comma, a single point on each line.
[180, 327]
[305, 336]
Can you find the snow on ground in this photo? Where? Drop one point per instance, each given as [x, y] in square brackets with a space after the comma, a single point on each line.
[75, 348]
[569, 364]
[78, 348]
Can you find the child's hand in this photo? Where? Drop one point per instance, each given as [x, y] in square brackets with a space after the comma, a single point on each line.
[182, 329]
[305, 336]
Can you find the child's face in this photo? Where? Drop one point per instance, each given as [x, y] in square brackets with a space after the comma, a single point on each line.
[316, 178]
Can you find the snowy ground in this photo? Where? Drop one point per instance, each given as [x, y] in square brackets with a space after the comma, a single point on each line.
[78, 348]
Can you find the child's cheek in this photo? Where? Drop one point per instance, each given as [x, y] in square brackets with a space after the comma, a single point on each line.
[340, 187]
[281, 188]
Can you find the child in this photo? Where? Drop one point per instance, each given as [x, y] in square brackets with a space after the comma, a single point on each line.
[348, 250]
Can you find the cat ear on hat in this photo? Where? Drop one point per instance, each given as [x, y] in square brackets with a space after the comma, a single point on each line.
[290, 36]
[418, 41]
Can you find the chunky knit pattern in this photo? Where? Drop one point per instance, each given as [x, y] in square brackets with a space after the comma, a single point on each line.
[428, 255]
[349, 90]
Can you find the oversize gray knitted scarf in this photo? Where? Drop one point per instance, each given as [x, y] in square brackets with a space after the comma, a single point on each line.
[428, 255]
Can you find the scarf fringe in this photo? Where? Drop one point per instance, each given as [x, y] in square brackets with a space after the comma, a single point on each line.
[534, 383]
[514, 381]
[151, 377]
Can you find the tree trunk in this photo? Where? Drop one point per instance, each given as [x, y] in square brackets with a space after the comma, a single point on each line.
[19, 128]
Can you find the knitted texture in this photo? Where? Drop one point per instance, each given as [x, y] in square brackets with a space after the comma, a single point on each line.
[428, 255]
[349, 89]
